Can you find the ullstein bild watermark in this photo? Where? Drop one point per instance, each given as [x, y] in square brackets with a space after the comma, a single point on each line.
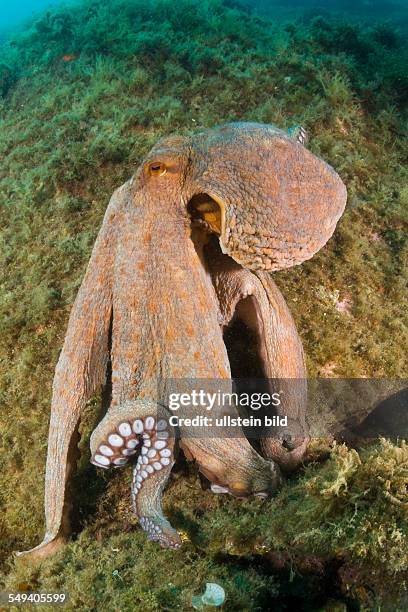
[228, 421]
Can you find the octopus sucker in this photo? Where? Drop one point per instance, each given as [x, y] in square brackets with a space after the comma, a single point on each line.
[125, 429]
[106, 450]
[124, 443]
[138, 426]
[152, 458]
[101, 461]
[185, 251]
[156, 534]
[218, 490]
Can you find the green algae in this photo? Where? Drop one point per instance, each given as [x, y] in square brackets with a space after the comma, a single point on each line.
[71, 131]
[336, 512]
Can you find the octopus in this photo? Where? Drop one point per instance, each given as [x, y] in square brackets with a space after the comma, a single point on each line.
[186, 249]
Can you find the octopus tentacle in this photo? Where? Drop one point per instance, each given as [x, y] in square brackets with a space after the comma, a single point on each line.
[231, 463]
[140, 430]
[80, 371]
[254, 298]
[285, 362]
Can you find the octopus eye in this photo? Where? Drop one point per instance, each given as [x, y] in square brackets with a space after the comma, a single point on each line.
[157, 169]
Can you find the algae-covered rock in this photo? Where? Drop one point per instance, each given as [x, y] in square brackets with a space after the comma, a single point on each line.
[5, 79]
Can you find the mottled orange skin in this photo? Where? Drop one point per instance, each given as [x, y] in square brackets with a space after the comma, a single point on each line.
[150, 289]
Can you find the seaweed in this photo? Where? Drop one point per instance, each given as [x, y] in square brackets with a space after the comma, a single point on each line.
[6, 79]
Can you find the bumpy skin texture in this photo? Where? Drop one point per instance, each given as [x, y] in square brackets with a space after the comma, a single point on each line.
[283, 204]
[155, 301]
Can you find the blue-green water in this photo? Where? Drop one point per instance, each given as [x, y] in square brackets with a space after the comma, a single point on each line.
[368, 11]
[13, 14]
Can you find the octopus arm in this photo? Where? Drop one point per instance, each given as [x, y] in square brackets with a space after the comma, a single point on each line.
[80, 371]
[284, 365]
[254, 298]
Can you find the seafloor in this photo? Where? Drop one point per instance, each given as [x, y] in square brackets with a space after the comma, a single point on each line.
[84, 93]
